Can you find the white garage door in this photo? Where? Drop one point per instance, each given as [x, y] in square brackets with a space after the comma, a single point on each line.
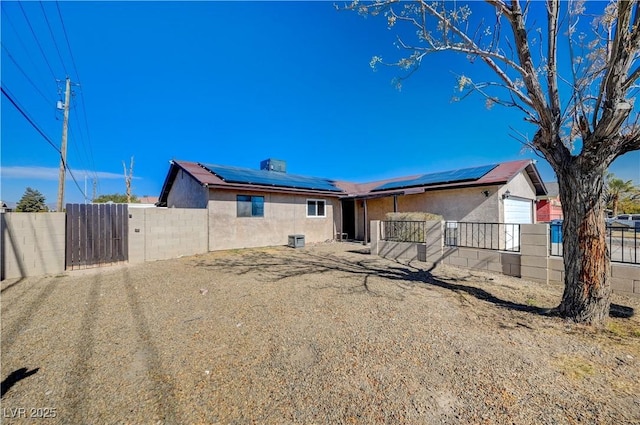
[518, 211]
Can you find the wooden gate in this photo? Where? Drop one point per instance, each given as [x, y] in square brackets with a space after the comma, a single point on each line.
[96, 234]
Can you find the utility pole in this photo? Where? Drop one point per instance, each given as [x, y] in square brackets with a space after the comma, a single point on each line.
[63, 146]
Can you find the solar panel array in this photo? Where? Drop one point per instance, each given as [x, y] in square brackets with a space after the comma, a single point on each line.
[270, 178]
[455, 176]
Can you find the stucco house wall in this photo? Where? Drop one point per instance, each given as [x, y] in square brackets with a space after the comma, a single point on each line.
[471, 204]
[519, 187]
[284, 214]
[466, 204]
[548, 210]
[186, 192]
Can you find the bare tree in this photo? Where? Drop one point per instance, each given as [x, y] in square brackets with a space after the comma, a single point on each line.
[127, 179]
[584, 118]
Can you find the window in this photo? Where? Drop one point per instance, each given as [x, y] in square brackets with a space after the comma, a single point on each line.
[315, 208]
[250, 206]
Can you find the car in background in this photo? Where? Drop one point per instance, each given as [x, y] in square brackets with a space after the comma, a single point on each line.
[625, 220]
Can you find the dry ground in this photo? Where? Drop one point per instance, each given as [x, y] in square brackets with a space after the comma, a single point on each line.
[324, 334]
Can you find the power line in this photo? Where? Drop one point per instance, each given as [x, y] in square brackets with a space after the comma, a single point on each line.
[53, 74]
[26, 116]
[53, 38]
[84, 110]
[82, 139]
[66, 37]
[17, 33]
[35, 126]
[24, 73]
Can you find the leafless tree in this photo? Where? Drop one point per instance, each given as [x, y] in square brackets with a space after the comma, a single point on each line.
[572, 69]
[127, 179]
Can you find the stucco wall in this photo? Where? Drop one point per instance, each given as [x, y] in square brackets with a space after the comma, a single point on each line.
[32, 244]
[284, 215]
[519, 187]
[548, 209]
[466, 204]
[186, 193]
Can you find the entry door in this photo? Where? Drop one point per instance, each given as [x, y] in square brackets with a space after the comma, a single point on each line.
[349, 218]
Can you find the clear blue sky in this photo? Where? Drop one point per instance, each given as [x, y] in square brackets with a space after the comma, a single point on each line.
[232, 83]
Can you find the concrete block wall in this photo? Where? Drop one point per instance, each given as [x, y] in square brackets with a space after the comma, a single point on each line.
[534, 252]
[507, 263]
[162, 233]
[533, 262]
[624, 278]
[32, 244]
[430, 251]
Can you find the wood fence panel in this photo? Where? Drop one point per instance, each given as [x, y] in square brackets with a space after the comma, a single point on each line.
[96, 234]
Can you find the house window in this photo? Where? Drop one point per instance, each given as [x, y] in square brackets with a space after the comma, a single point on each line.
[250, 206]
[315, 208]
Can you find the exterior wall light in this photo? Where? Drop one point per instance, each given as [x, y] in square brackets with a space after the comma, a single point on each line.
[506, 194]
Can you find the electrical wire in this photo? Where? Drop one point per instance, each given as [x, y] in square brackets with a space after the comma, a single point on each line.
[53, 74]
[7, 16]
[75, 123]
[54, 39]
[26, 116]
[25, 74]
[84, 110]
[35, 126]
[66, 37]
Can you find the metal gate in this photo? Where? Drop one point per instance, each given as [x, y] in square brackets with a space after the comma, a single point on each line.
[96, 234]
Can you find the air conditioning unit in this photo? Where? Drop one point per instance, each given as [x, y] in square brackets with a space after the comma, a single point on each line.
[274, 165]
[296, 241]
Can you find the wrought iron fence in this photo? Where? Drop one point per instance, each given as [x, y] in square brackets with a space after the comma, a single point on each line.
[404, 231]
[623, 242]
[496, 236]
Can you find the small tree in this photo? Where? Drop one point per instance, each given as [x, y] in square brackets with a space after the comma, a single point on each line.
[573, 73]
[617, 190]
[32, 201]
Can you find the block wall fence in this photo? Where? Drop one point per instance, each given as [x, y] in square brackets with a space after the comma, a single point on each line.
[533, 262]
[33, 244]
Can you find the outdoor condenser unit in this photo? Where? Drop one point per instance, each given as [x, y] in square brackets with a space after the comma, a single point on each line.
[296, 241]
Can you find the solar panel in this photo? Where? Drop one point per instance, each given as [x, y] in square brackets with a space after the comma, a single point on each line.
[270, 178]
[464, 174]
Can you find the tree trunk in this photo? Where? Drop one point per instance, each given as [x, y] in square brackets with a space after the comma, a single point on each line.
[587, 290]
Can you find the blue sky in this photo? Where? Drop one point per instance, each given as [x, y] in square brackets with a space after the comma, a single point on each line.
[232, 83]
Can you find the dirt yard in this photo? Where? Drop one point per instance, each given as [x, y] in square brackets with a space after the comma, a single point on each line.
[326, 334]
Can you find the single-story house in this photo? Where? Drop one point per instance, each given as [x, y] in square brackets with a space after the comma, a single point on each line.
[549, 207]
[262, 207]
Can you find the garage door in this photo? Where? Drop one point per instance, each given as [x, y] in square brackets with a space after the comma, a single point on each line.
[516, 211]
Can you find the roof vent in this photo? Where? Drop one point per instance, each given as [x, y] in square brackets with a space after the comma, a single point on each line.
[271, 164]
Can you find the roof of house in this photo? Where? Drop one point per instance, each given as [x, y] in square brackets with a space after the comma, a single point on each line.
[497, 174]
[226, 177]
[553, 191]
[148, 199]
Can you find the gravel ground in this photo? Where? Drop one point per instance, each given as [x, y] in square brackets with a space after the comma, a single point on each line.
[323, 334]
